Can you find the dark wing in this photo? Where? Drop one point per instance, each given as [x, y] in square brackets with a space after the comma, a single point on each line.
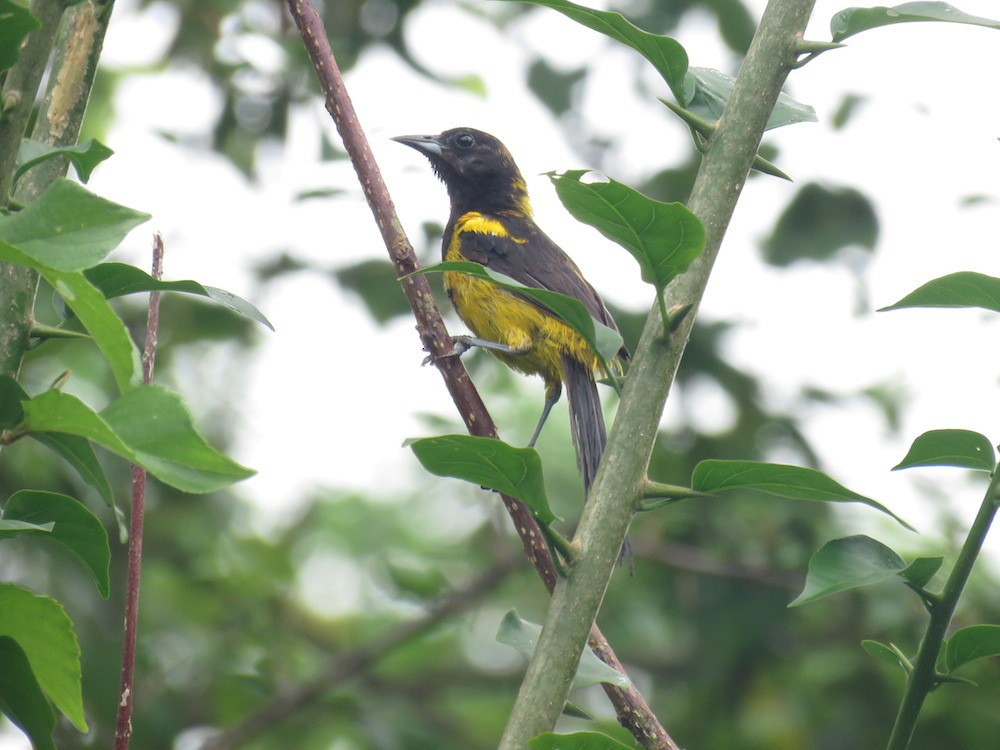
[529, 257]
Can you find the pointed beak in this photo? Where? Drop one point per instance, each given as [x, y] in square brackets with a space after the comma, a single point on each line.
[425, 144]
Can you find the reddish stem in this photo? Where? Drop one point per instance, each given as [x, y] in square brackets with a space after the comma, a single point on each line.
[123, 725]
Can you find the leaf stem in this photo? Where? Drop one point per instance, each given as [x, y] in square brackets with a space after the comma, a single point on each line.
[924, 678]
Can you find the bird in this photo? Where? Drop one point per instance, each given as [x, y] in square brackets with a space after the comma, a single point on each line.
[491, 223]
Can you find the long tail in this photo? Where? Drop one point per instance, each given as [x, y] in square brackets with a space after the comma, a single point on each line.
[586, 422]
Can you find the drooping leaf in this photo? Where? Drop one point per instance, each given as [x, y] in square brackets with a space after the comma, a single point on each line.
[93, 310]
[376, 283]
[117, 279]
[18, 22]
[663, 237]
[149, 426]
[42, 629]
[21, 697]
[851, 21]
[74, 527]
[664, 53]
[707, 90]
[81, 456]
[963, 448]
[523, 636]
[962, 289]
[83, 156]
[971, 643]
[793, 482]
[489, 463]
[575, 741]
[69, 228]
[848, 563]
[603, 341]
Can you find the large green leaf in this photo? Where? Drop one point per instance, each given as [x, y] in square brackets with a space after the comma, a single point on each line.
[489, 463]
[18, 22]
[851, 21]
[21, 697]
[523, 636]
[962, 289]
[603, 341]
[83, 156]
[971, 643]
[846, 564]
[149, 426]
[117, 279]
[793, 482]
[575, 741]
[93, 310]
[963, 448]
[707, 90]
[79, 453]
[74, 527]
[663, 237]
[664, 53]
[69, 228]
[42, 629]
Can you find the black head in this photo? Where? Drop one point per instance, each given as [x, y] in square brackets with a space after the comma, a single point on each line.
[477, 169]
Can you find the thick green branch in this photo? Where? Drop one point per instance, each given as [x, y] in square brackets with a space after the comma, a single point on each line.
[78, 47]
[619, 484]
[923, 677]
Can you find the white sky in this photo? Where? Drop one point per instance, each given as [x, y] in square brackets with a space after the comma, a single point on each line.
[925, 137]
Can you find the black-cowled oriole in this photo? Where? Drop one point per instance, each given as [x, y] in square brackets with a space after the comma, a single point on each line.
[491, 224]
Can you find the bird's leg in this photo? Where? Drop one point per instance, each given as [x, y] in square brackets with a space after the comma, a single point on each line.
[462, 344]
[552, 392]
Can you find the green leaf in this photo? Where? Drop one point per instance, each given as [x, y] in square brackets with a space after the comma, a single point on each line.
[971, 643]
[851, 21]
[707, 91]
[93, 310]
[663, 237]
[575, 741]
[962, 289]
[79, 453]
[793, 482]
[523, 636]
[117, 279]
[11, 396]
[603, 341]
[69, 228]
[10, 528]
[886, 654]
[846, 564]
[489, 463]
[18, 22]
[83, 156]
[922, 570]
[149, 426]
[40, 627]
[963, 448]
[75, 528]
[21, 697]
[664, 53]
[376, 283]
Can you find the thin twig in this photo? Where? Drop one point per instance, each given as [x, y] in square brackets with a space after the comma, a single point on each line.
[123, 724]
[354, 663]
[632, 710]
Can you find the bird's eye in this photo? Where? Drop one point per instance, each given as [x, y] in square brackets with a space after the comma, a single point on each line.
[465, 140]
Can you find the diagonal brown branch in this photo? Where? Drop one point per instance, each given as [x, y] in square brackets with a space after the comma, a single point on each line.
[633, 711]
[358, 661]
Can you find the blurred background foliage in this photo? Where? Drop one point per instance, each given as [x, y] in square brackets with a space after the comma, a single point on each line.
[231, 624]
